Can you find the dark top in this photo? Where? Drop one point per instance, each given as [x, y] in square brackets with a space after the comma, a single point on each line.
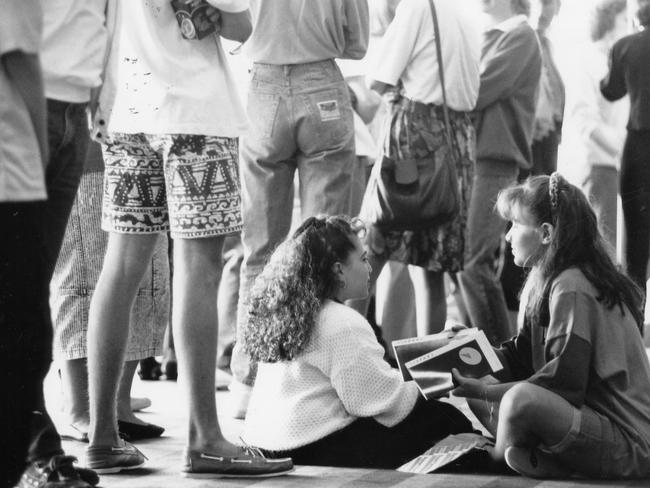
[630, 73]
[511, 66]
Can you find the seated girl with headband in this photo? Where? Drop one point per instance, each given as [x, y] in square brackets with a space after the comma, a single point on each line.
[574, 397]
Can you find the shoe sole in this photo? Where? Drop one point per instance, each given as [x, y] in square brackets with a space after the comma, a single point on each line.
[225, 475]
[116, 469]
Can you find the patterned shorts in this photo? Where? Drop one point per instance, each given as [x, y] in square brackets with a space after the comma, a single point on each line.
[186, 184]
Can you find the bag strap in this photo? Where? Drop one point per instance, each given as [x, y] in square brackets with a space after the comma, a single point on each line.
[441, 73]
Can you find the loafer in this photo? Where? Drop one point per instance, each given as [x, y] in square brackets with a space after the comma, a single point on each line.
[249, 465]
[113, 459]
[535, 464]
[58, 471]
[134, 432]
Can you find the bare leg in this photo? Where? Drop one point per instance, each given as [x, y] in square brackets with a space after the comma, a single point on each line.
[197, 271]
[530, 415]
[486, 412]
[74, 378]
[124, 411]
[430, 300]
[126, 260]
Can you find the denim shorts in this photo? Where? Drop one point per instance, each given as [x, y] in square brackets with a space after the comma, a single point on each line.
[187, 184]
[598, 448]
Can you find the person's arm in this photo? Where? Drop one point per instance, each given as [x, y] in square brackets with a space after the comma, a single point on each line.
[397, 46]
[582, 95]
[24, 71]
[500, 73]
[232, 17]
[613, 86]
[357, 29]
[365, 384]
[487, 388]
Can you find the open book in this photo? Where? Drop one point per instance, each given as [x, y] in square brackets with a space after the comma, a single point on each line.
[428, 360]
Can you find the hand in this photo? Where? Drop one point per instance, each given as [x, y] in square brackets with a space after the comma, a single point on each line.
[214, 14]
[455, 329]
[468, 387]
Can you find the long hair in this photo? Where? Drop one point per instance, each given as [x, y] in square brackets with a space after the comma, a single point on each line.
[287, 296]
[575, 242]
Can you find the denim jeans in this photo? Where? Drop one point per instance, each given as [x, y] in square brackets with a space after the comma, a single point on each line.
[480, 286]
[301, 119]
[68, 138]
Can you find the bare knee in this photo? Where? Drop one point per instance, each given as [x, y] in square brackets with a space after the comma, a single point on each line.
[200, 259]
[518, 404]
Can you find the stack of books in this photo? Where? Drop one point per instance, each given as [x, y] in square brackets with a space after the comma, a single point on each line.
[429, 360]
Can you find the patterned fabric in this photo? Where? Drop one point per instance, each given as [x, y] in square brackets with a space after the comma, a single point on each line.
[187, 184]
[418, 131]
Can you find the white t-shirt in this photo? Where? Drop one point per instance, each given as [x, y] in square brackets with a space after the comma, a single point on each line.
[408, 52]
[74, 41]
[340, 377]
[157, 82]
[586, 110]
[21, 168]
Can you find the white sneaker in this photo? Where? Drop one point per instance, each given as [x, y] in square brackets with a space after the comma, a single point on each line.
[238, 398]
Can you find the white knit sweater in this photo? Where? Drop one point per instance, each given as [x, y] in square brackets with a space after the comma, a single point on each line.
[341, 376]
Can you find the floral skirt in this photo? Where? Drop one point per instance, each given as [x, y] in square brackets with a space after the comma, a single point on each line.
[422, 130]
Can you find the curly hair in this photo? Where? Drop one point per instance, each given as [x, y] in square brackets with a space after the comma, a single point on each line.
[287, 296]
[603, 17]
[576, 242]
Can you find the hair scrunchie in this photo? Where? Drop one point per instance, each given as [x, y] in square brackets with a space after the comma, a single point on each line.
[553, 189]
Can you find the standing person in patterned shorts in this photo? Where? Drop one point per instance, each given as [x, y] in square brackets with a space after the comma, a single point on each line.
[172, 120]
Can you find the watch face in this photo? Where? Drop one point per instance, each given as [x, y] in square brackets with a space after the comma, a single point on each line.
[187, 26]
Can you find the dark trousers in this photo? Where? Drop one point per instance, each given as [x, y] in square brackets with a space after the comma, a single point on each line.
[635, 196]
[366, 443]
[68, 140]
[25, 348]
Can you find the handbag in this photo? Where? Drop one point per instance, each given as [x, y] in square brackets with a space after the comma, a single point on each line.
[409, 193]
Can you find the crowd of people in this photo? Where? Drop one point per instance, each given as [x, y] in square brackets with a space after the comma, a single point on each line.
[137, 191]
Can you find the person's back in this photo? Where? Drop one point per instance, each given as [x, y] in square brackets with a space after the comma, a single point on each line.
[632, 74]
[300, 121]
[304, 31]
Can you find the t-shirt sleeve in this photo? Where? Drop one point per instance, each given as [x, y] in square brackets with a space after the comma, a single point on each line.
[500, 72]
[20, 26]
[567, 346]
[613, 85]
[515, 355]
[398, 44]
[357, 29]
[365, 383]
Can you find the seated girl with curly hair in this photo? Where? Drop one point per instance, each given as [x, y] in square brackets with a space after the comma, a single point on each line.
[323, 393]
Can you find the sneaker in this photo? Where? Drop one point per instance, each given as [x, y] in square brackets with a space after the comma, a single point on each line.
[57, 472]
[251, 464]
[238, 399]
[535, 464]
[113, 459]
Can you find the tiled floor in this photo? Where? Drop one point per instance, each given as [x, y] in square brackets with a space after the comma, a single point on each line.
[162, 469]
